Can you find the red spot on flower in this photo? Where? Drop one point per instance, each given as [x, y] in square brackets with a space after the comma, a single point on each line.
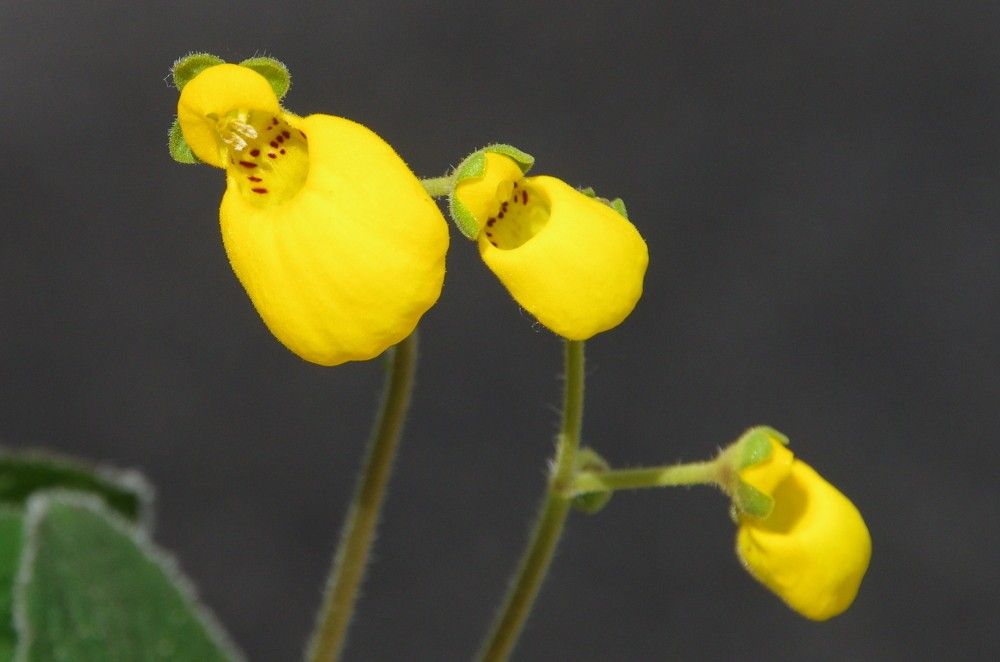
[281, 152]
[524, 196]
[248, 164]
[259, 190]
[272, 155]
[254, 179]
[286, 134]
[254, 152]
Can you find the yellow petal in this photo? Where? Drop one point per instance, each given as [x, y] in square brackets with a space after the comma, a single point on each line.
[211, 96]
[346, 266]
[569, 260]
[814, 548]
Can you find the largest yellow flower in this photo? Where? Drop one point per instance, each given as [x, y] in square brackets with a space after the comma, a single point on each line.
[335, 240]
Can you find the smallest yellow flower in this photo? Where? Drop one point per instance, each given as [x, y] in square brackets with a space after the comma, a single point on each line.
[567, 258]
[813, 548]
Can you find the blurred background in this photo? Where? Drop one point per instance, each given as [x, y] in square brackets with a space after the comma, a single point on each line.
[818, 186]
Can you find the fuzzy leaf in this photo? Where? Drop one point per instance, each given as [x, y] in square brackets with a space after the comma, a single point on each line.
[22, 474]
[11, 522]
[93, 587]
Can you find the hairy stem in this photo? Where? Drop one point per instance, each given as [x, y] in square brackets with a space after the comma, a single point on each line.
[351, 558]
[537, 556]
[694, 473]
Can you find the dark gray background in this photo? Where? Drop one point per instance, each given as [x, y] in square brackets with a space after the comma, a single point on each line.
[818, 185]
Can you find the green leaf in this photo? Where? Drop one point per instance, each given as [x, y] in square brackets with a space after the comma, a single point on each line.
[22, 474]
[11, 523]
[93, 587]
[189, 66]
[179, 150]
[275, 72]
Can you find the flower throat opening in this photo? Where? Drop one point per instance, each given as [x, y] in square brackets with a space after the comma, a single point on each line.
[265, 156]
[521, 215]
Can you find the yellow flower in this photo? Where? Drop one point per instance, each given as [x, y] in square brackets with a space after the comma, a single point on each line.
[334, 239]
[570, 260]
[813, 549]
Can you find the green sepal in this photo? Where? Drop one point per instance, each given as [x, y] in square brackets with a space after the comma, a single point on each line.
[591, 502]
[617, 204]
[179, 150]
[755, 445]
[523, 160]
[473, 166]
[24, 474]
[93, 587]
[274, 71]
[189, 66]
[751, 501]
[11, 541]
[462, 217]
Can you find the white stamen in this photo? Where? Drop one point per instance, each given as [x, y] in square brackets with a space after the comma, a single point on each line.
[236, 133]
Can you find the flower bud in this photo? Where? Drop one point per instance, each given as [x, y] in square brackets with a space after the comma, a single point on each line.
[811, 547]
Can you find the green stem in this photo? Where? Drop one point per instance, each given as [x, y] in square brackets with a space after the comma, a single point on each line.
[537, 557]
[437, 187]
[351, 557]
[694, 473]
